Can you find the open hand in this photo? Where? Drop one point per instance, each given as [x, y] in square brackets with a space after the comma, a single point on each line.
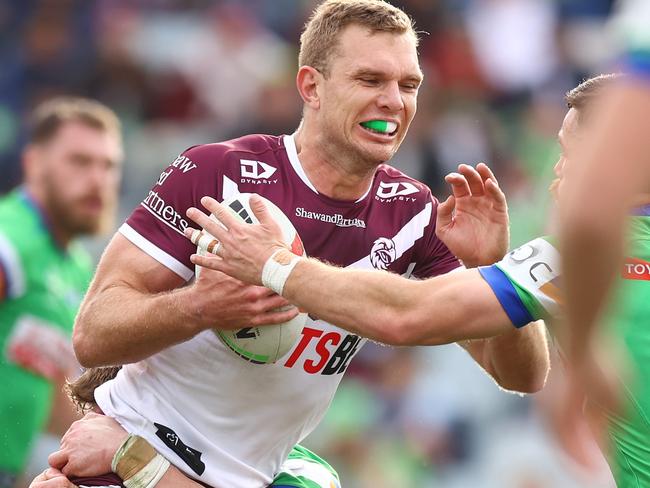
[473, 221]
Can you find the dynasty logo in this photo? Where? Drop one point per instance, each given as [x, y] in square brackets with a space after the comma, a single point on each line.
[391, 192]
[256, 172]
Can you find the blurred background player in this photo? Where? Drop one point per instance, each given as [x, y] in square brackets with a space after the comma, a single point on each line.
[71, 175]
[605, 229]
[359, 78]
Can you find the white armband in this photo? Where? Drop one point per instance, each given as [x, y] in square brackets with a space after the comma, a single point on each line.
[535, 267]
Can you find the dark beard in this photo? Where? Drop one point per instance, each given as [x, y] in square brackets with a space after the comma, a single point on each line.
[62, 217]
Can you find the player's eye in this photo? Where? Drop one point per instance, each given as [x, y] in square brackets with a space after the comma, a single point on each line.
[409, 87]
[79, 160]
[370, 81]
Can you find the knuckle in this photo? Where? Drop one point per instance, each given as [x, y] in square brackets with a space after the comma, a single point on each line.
[251, 294]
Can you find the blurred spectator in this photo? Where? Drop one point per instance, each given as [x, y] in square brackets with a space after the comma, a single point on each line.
[72, 170]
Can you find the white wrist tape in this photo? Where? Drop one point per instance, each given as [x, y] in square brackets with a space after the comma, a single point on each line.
[138, 464]
[277, 269]
[150, 475]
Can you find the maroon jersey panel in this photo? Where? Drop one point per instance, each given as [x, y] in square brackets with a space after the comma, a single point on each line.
[392, 227]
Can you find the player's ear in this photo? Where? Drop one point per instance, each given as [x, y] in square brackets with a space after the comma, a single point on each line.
[308, 80]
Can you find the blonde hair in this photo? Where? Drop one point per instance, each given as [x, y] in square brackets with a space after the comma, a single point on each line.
[319, 39]
[48, 117]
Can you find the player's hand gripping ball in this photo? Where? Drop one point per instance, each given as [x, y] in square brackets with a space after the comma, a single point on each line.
[265, 344]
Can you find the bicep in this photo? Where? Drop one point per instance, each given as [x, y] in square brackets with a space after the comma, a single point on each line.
[125, 264]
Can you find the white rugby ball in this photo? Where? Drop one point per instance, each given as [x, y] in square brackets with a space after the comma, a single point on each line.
[268, 343]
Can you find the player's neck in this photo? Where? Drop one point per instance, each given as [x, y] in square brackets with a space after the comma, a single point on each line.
[332, 175]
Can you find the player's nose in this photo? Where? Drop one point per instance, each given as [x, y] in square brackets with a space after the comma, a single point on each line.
[391, 97]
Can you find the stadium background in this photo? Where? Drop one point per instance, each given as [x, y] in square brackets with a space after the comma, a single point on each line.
[185, 72]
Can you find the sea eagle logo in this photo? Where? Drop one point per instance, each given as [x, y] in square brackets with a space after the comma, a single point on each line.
[383, 253]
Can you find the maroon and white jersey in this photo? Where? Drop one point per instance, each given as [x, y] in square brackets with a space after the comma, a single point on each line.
[225, 421]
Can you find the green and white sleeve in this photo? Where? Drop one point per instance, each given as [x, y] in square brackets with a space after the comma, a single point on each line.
[11, 270]
[526, 282]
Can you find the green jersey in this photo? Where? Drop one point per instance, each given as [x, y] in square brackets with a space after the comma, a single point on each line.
[628, 321]
[527, 283]
[43, 286]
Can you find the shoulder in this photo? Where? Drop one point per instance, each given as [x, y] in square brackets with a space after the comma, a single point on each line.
[203, 165]
[20, 223]
[250, 144]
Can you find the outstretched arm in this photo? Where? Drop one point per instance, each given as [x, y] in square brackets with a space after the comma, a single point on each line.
[390, 309]
[455, 307]
[376, 304]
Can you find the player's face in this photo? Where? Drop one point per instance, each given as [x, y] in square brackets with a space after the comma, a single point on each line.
[373, 78]
[79, 174]
[568, 139]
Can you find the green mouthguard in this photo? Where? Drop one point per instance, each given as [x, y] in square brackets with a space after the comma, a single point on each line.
[380, 125]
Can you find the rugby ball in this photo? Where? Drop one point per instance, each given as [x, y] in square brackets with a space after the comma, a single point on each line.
[265, 344]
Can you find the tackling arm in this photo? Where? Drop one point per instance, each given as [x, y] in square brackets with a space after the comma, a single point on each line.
[455, 307]
[87, 449]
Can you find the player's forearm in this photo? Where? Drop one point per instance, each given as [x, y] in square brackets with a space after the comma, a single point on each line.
[120, 325]
[369, 303]
[174, 478]
[390, 309]
[518, 360]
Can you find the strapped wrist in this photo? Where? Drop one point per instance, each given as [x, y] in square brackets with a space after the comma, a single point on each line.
[277, 269]
[138, 464]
